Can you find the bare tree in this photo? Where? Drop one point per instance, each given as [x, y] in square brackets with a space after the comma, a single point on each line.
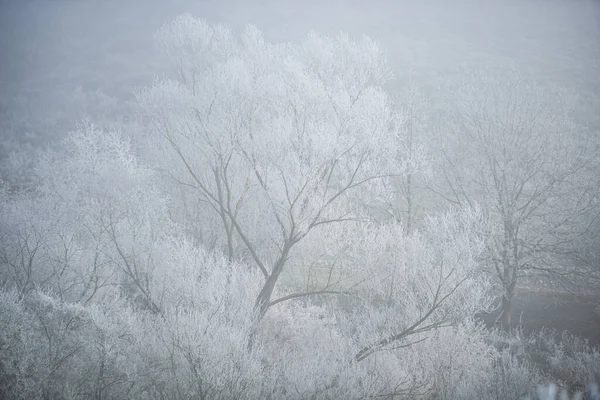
[511, 148]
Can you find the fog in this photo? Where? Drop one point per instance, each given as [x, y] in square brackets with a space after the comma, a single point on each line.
[334, 199]
[49, 48]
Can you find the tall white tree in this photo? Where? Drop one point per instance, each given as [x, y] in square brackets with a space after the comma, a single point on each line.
[276, 140]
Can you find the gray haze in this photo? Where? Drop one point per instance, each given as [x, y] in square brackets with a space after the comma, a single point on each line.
[52, 49]
[189, 213]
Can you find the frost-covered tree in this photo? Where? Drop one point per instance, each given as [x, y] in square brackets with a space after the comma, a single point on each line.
[510, 146]
[286, 149]
[89, 224]
[123, 281]
[275, 141]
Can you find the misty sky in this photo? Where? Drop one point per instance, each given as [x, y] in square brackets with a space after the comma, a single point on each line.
[50, 47]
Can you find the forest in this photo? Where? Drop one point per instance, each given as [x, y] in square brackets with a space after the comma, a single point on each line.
[300, 200]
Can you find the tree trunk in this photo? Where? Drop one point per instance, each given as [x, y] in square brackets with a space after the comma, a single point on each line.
[506, 313]
[509, 281]
[263, 300]
[262, 304]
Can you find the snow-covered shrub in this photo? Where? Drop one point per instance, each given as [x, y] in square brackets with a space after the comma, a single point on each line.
[570, 359]
[52, 349]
